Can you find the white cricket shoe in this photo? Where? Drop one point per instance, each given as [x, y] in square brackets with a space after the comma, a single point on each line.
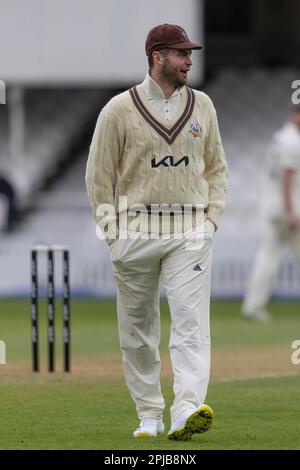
[149, 427]
[191, 422]
[259, 314]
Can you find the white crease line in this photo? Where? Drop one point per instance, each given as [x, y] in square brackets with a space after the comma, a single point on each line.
[256, 377]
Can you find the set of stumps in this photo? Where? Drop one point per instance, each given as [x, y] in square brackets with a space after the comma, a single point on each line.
[51, 251]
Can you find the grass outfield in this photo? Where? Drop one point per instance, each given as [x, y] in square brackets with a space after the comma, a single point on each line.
[254, 387]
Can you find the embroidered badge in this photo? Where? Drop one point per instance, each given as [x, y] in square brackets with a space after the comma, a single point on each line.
[196, 131]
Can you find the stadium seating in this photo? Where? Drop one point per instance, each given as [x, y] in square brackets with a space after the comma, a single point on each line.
[54, 118]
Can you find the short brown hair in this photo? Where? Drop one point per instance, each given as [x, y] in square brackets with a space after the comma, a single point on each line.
[164, 52]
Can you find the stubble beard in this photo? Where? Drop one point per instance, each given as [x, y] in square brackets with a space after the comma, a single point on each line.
[172, 75]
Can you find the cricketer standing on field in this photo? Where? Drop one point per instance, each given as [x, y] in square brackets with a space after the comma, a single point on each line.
[162, 140]
[281, 206]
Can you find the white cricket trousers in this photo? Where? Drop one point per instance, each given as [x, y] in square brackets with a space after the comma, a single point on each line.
[266, 266]
[185, 269]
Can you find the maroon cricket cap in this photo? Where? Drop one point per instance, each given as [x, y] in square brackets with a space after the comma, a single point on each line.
[168, 36]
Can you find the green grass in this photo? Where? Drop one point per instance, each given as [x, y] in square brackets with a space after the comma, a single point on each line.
[94, 327]
[258, 414]
[229, 329]
[58, 411]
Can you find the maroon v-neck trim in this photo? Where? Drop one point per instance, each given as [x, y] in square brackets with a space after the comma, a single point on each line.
[169, 135]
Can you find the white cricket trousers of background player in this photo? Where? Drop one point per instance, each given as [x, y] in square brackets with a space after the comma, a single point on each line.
[266, 266]
[138, 266]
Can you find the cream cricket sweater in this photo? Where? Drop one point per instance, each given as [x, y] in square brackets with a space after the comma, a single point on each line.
[175, 161]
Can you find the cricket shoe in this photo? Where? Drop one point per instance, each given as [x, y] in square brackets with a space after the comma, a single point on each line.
[149, 427]
[259, 314]
[189, 423]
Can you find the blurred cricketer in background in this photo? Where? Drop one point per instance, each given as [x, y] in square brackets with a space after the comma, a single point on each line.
[162, 140]
[282, 212]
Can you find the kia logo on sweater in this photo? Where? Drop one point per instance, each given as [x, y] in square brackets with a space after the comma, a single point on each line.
[169, 161]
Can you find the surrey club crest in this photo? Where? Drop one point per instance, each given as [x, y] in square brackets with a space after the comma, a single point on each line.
[196, 131]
